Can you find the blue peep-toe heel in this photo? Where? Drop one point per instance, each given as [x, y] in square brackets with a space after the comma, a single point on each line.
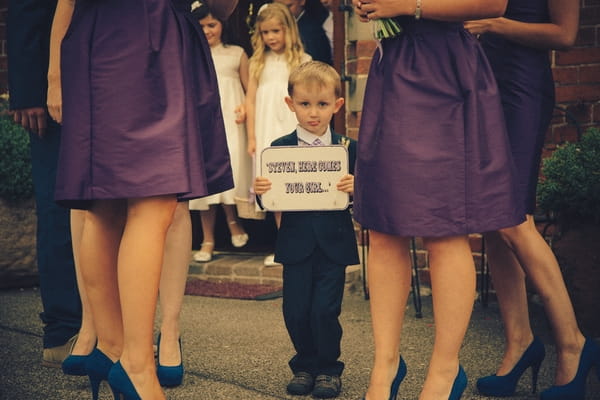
[400, 374]
[575, 390]
[97, 367]
[505, 385]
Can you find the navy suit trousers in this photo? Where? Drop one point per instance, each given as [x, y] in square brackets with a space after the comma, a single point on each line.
[312, 301]
[58, 285]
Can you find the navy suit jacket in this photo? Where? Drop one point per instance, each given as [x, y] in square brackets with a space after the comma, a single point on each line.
[302, 231]
[314, 38]
[29, 51]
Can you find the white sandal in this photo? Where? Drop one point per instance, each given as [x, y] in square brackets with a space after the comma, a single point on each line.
[202, 255]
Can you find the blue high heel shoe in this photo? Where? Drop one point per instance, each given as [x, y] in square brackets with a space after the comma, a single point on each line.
[170, 376]
[505, 385]
[97, 367]
[121, 384]
[575, 390]
[400, 374]
[459, 385]
[74, 365]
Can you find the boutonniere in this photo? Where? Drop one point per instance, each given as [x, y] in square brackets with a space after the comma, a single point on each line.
[345, 142]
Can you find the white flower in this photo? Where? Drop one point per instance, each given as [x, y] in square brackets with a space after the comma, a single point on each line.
[196, 4]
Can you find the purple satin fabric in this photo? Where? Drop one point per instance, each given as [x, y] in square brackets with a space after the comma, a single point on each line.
[433, 154]
[141, 106]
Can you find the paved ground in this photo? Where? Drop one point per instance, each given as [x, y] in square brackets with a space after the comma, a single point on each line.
[238, 349]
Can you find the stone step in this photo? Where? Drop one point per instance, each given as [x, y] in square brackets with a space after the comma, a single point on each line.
[249, 268]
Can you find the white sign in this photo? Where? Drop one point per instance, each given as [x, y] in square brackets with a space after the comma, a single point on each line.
[304, 177]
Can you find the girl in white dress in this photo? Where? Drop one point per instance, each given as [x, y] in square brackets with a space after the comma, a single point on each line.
[231, 64]
[277, 50]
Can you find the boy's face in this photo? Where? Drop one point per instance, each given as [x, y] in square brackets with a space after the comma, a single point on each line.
[314, 106]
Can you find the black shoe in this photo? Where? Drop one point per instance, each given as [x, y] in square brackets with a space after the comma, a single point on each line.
[327, 386]
[302, 383]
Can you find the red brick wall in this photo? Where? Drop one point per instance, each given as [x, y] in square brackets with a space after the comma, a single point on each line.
[576, 73]
[577, 79]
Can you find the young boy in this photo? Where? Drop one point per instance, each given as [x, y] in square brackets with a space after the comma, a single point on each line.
[315, 246]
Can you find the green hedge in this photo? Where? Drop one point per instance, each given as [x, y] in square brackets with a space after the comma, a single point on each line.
[15, 162]
[569, 185]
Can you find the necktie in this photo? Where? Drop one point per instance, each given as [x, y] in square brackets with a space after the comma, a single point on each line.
[317, 142]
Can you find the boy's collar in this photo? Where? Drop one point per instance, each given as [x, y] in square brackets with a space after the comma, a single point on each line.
[308, 137]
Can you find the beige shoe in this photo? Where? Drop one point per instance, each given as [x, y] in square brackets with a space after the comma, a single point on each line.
[270, 261]
[238, 240]
[203, 255]
[54, 356]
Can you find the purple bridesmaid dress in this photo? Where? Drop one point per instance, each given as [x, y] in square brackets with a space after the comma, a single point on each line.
[433, 154]
[526, 87]
[141, 106]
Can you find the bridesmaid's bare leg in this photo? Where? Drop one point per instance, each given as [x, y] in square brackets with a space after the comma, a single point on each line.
[509, 284]
[453, 289]
[178, 249]
[140, 262]
[86, 340]
[98, 254]
[389, 279]
[540, 265]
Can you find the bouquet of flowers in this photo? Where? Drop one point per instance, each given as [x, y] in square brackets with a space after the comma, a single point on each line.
[386, 28]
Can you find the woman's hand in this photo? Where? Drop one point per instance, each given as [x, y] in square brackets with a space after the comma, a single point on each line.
[32, 119]
[480, 26]
[54, 99]
[375, 9]
[261, 185]
[346, 184]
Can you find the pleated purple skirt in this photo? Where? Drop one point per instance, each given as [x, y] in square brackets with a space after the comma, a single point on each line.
[433, 154]
[141, 109]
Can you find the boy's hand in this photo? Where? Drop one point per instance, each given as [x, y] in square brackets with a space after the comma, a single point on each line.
[261, 185]
[346, 184]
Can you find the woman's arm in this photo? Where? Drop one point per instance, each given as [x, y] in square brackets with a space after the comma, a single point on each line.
[443, 10]
[244, 71]
[251, 115]
[240, 110]
[559, 33]
[60, 24]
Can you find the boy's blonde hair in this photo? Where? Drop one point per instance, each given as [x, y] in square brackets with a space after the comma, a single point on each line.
[315, 73]
[293, 44]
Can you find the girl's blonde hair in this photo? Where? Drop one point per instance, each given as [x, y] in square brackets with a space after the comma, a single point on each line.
[293, 45]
